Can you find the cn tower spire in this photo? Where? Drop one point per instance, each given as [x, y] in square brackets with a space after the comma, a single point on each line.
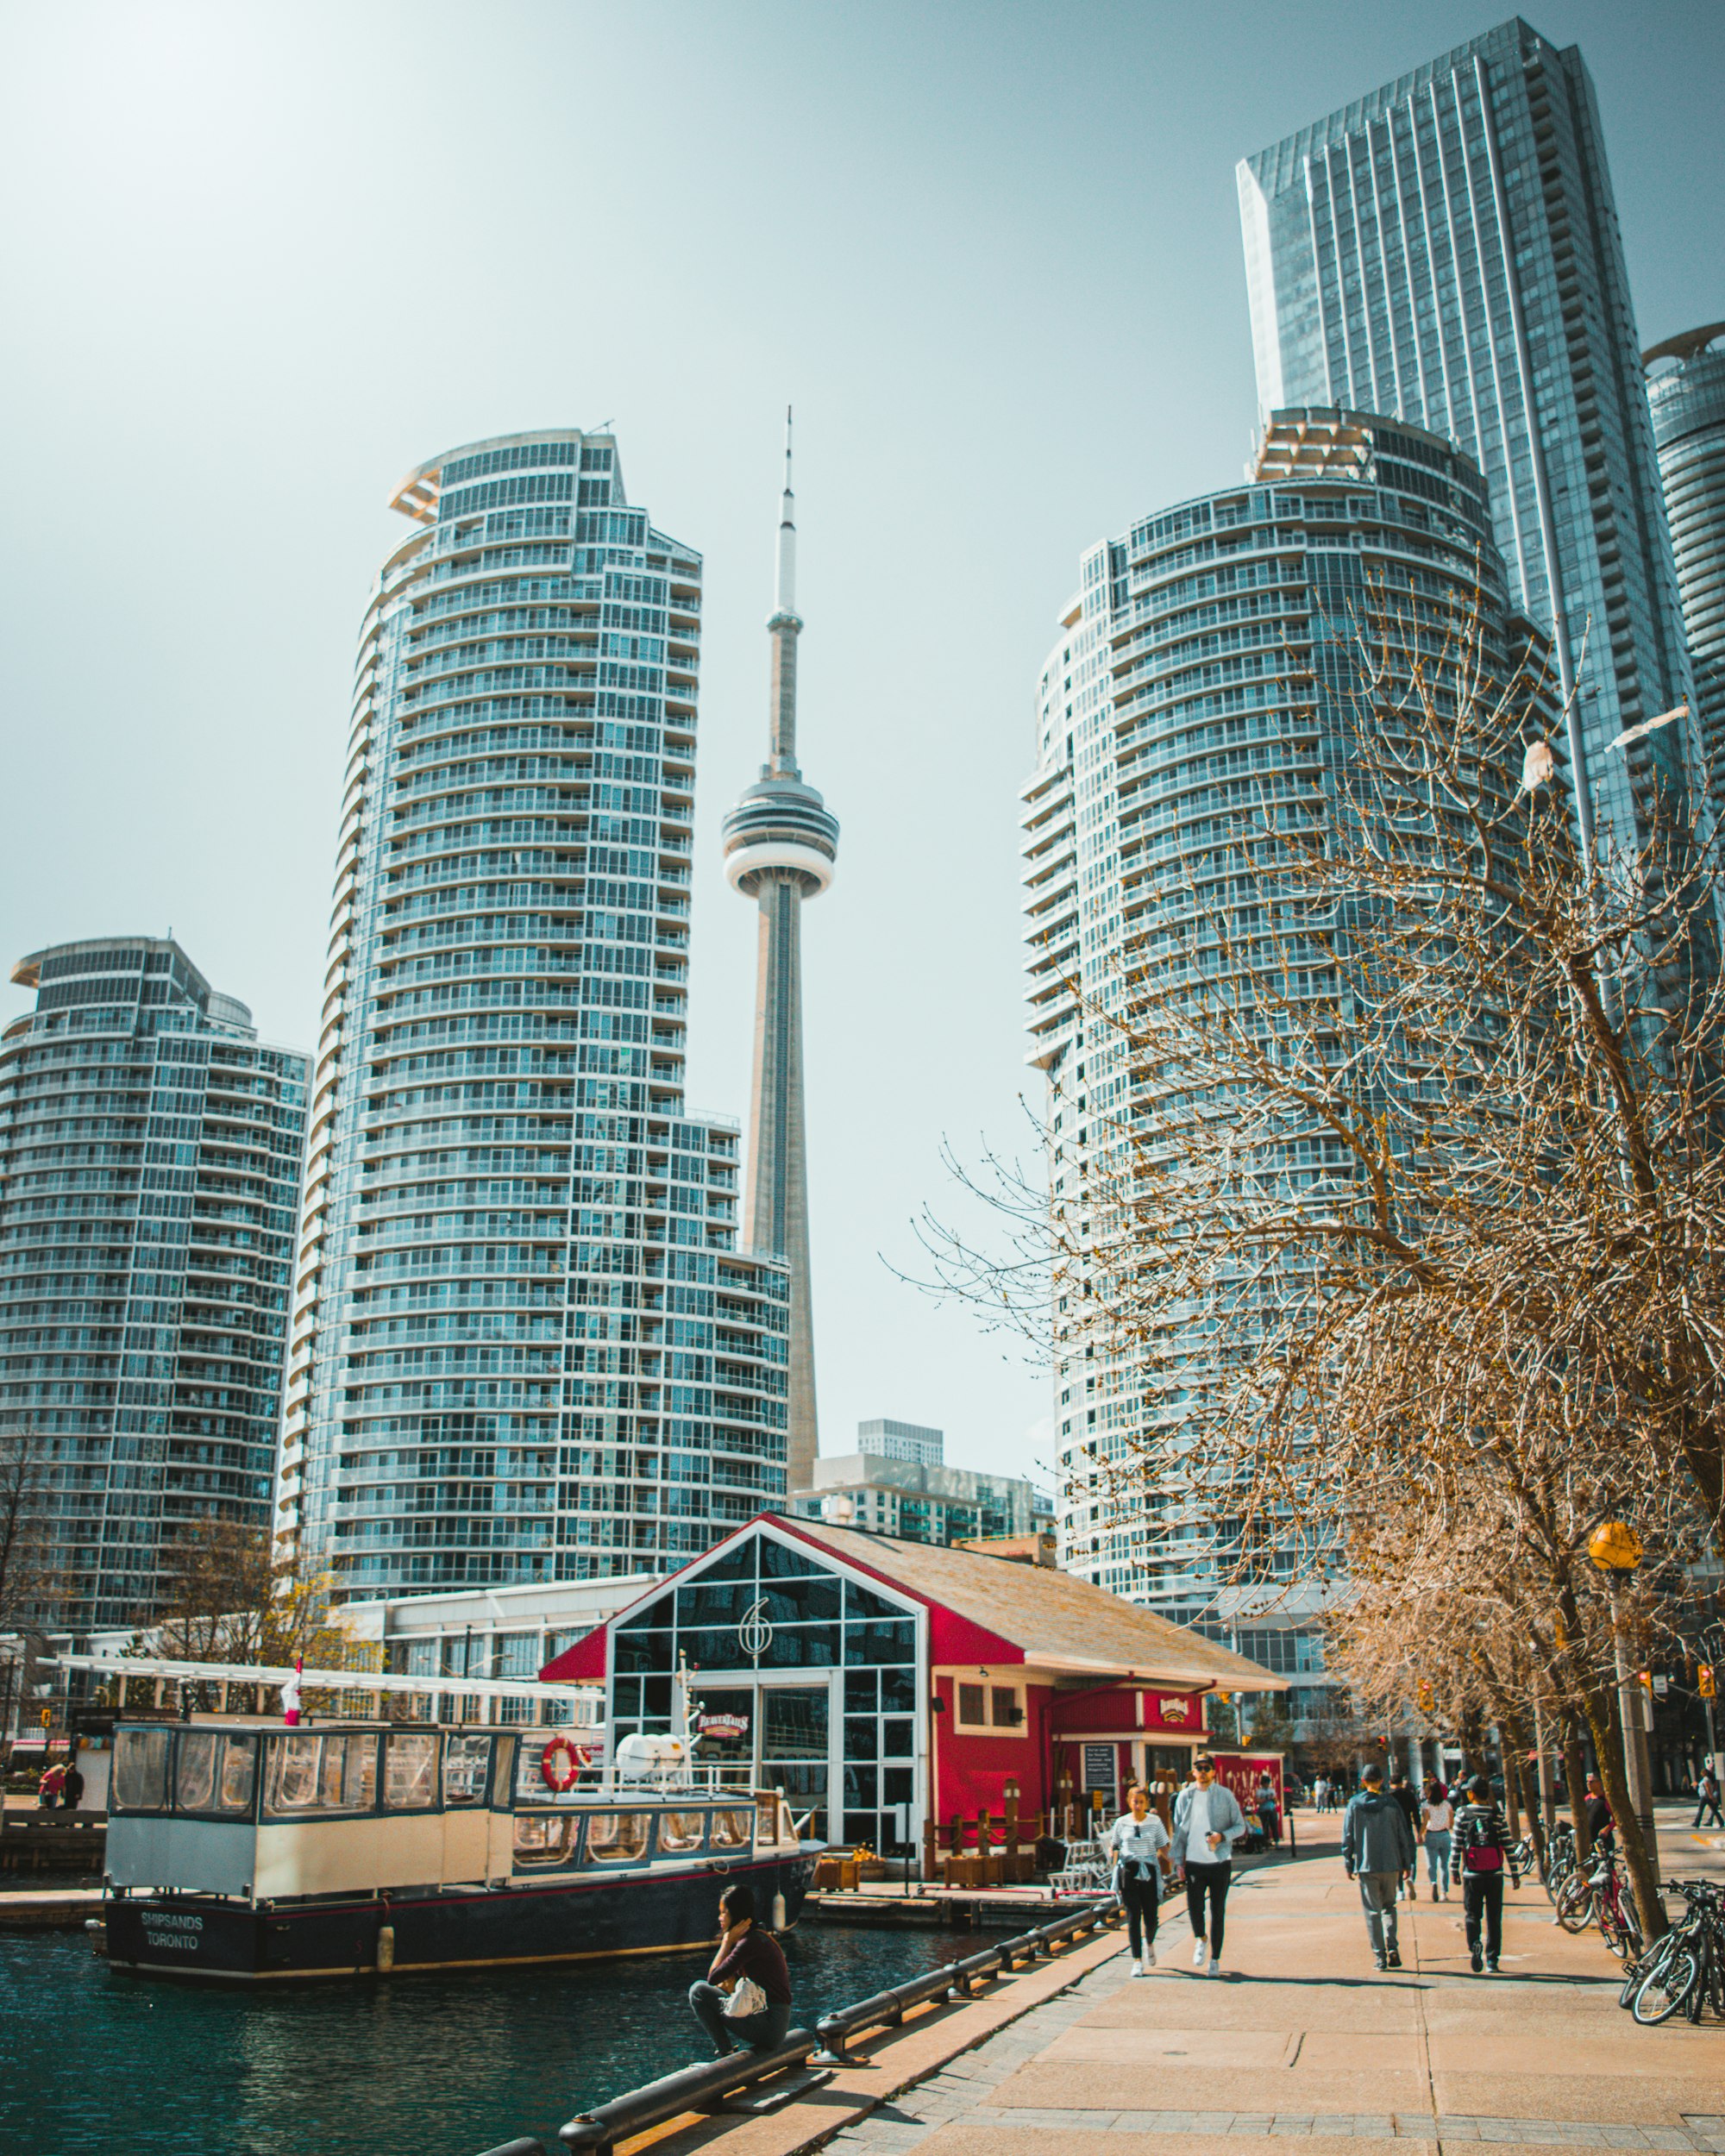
[780, 843]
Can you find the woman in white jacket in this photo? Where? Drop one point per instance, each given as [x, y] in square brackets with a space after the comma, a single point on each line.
[1207, 1822]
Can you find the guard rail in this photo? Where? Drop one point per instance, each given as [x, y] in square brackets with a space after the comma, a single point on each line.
[690, 2088]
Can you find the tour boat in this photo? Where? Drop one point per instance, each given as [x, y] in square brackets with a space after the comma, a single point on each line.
[242, 1849]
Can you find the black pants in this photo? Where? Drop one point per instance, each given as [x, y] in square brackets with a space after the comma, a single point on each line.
[1211, 1879]
[1484, 1890]
[1138, 1900]
[1705, 1804]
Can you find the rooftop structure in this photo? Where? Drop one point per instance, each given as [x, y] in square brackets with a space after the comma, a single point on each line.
[889, 1440]
[1686, 391]
[922, 1502]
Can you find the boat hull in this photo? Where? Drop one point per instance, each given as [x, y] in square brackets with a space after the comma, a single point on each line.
[579, 1918]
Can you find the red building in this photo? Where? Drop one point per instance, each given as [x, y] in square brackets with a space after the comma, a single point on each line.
[859, 1674]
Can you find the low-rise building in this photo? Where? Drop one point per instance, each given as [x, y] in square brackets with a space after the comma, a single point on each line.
[920, 1500]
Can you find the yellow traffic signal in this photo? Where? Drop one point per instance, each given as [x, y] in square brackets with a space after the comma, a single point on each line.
[1704, 1682]
[1423, 1694]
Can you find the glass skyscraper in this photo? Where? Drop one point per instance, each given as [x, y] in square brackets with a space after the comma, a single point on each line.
[150, 1151]
[525, 1345]
[1210, 664]
[1445, 250]
[1686, 389]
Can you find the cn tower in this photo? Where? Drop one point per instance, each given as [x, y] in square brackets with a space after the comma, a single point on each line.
[779, 845]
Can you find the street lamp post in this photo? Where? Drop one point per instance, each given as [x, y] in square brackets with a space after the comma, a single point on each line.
[1616, 1548]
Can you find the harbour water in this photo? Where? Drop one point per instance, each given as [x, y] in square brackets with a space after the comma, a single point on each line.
[423, 2065]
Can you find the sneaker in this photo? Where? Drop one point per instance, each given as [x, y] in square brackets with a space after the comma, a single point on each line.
[1477, 1959]
[1393, 1958]
[1378, 1962]
[1491, 1968]
[1434, 1892]
[1138, 1968]
[1149, 1957]
[1215, 1966]
[1200, 1954]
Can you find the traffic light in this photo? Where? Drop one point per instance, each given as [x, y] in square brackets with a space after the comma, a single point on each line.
[1423, 1693]
[1645, 1679]
[1704, 1682]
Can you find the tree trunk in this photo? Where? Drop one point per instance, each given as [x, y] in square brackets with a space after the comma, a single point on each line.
[1516, 1736]
[1600, 1710]
[1575, 1776]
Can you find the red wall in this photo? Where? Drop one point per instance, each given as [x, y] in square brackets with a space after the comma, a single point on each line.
[971, 1770]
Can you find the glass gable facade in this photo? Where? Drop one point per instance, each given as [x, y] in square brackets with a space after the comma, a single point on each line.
[819, 1670]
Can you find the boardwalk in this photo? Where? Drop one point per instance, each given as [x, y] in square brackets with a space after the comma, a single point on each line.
[1307, 2041]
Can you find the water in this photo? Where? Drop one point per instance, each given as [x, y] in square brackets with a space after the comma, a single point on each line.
[423, 2065]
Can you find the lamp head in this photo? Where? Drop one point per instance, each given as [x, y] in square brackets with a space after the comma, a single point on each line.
[1615, 1546]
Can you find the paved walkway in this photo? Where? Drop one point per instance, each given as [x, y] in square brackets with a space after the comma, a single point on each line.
[1305, 2040]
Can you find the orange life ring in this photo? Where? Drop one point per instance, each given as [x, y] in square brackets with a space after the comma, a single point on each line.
[559, 1763]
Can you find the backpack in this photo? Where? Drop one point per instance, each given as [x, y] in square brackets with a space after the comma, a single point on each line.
[1481, 1858]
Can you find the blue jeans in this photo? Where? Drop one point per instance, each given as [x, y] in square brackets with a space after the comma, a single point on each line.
[759, 2032]
[1438, 1858]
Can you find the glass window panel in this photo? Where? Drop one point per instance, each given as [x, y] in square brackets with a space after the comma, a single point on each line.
[766, 1820]
[737, 1563]
[294, 1762]
[465, 1759]
[238, 1774]
[732, 1829]
[861, 1784]
[657, 1612]
[895, 1785]
[879, 1643]
[895, 1737]
[814, 1600]
[794, 1722]
[618, 1837]
[332, 1767]
[898, 1691]
[711, 1650]
[972, 1703]
[862, 1691]
[359, 1779]
[545, 1838]
[859, 1737]
[864, 1602]
[410, 1773]
[802, 1647]
[859, 1828]
[714, 1602]
[777, 1562]
[635, 1651]
[626, 1695]
[1004, 1709]
[194, 1775]
[680, 1830]
[656, 1695]
[140, 1770]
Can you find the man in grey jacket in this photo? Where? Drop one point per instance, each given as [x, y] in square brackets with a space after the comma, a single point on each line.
[1377, 1849]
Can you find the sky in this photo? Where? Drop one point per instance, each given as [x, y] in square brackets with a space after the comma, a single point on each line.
[259, 261]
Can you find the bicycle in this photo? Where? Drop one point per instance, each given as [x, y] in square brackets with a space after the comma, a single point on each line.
[1560, 1857]
[1686, 1971]
[1598, 1896]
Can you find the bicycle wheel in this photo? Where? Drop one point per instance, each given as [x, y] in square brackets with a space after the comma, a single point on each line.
[1614, 1923]
[1638, 1971]
[1666, 1985]
[1575, 1904]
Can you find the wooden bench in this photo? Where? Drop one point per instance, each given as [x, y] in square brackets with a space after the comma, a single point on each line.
[52, 1841]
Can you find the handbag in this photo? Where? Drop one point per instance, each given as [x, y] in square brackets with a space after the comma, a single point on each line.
[746, 1999]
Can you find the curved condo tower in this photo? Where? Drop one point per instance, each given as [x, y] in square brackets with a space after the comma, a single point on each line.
[525, 1345]
[779, 845]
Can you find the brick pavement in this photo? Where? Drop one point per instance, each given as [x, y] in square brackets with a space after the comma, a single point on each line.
[1304, 2040]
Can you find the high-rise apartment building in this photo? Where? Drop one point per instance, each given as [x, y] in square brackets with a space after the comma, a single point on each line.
[1445, 250]
[1209, 662]
[525, 1345]
[150, 1151]
[1686, 390]
[781, 841]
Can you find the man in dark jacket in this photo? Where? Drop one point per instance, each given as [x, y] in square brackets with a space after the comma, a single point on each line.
[745, 1951]
[1479, 1855]
[1377, 1850]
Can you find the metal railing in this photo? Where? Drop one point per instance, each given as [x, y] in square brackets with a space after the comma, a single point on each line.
[888, 2008]
[704, 2088]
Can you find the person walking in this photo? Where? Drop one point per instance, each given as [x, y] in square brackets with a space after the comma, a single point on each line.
[52, 1782]
[1207, 1822]
[1139, 1841]
[750, 1965]
[1596, 1815]
[1479, 1855]
[1321, 1789]
[1707, 1798]
[1269, 1812]
[1409, 1798]
[1437, 1818]
[71, 1790]
[1377, 1850]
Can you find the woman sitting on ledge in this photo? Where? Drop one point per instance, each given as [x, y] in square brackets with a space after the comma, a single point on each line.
[747, 1957]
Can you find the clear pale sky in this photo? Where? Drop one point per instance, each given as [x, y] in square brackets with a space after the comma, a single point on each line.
[258, 262]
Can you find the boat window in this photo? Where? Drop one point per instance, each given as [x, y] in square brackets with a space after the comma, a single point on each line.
[766, 1818]
[530, 1774]
[293, 1772]
[680, 1830]
[732, 1829]
[546, 1837]
[322, 1771]
[140, 1770]
[410, 1774]
[194, 1777]
[465, 1761]
[616, 1837]
[237, 1775]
